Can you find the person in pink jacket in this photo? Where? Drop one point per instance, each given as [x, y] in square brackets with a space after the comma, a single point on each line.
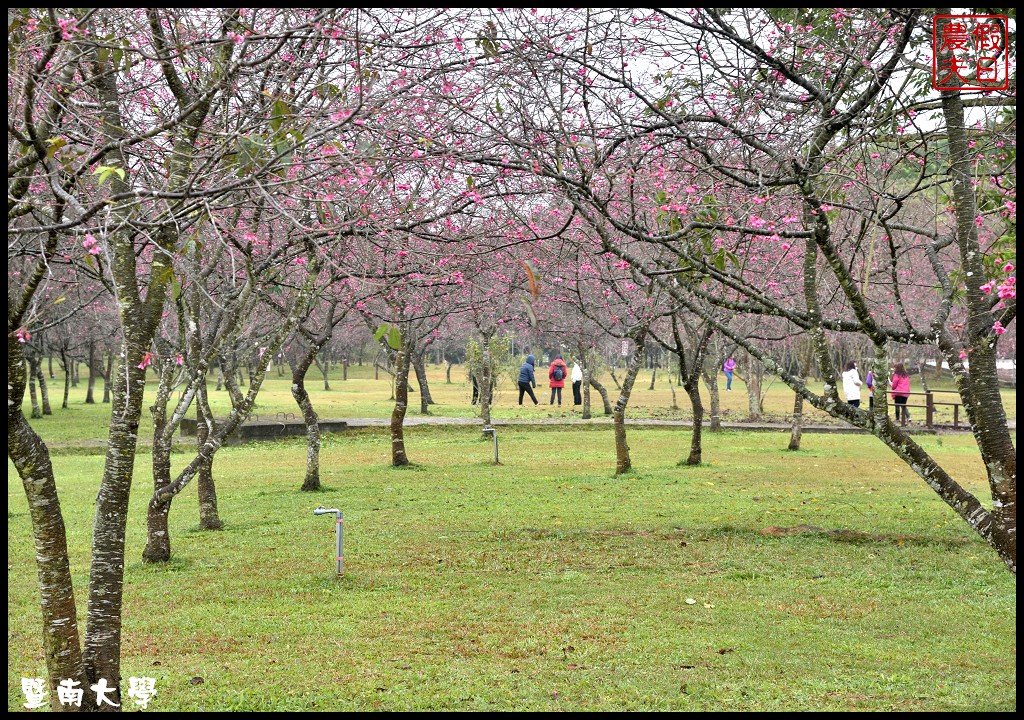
[728, 367]
[556, 377]
[900, 391]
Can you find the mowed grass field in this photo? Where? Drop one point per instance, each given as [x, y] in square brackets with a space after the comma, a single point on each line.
[364, 396]
[546, 583]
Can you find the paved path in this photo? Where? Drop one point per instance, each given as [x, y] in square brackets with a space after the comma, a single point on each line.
[414, 420]
[551, 422]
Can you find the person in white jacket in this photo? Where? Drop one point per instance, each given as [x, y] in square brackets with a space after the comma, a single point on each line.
[851, 384]
[577, 383]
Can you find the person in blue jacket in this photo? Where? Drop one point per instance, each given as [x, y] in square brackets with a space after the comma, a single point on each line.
[526, 379]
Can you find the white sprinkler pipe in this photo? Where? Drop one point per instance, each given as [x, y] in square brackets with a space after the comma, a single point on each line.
[339, 532]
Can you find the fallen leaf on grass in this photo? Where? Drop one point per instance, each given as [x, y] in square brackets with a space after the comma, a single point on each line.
[691, 601]
[709, 606]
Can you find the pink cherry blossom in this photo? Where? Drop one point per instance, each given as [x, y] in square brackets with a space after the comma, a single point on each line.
[1008, 289]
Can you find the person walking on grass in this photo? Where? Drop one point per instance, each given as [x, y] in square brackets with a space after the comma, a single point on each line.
[900, 392]
[527, 378]
[728, 368]
[556, 378]
[869, 382]
[577, 383]
[851, 384]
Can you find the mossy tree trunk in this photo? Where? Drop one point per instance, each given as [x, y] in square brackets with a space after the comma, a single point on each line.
[311, 482]
[29, 455]
[398, 455]
[623, 463]
[90, 388]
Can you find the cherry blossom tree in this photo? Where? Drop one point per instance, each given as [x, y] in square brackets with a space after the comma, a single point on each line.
[781, 174]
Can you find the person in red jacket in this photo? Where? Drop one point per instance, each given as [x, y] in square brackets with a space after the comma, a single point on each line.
[557, 374]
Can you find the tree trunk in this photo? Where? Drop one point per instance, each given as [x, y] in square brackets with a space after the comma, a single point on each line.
[798, 418]
[421, 380]
[692, 388]
[74, 371]
[67, 385]
[980, 387]
[618, 385]
[398, 456]
[158, 536]
[344, 368]
[585, 385]
[209, 518]
[921, 373]
[654, 373]
[234, 391]
[31, 458]
[671, 387]
[448, 374]
[424, 391]
[691, 380]
[622, 460]
[49, 366]
[36, 411]
[604, 394]
[311, 482]
[107, 377]
[90, 388]
[804, 358]
[44, 393]
[210, 436]
[711, 383]
[753, 379]
[325, 370]
[485, 382]
[102, 650]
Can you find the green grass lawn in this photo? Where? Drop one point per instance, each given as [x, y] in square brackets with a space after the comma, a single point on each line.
[363, 396]
[546, 583]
